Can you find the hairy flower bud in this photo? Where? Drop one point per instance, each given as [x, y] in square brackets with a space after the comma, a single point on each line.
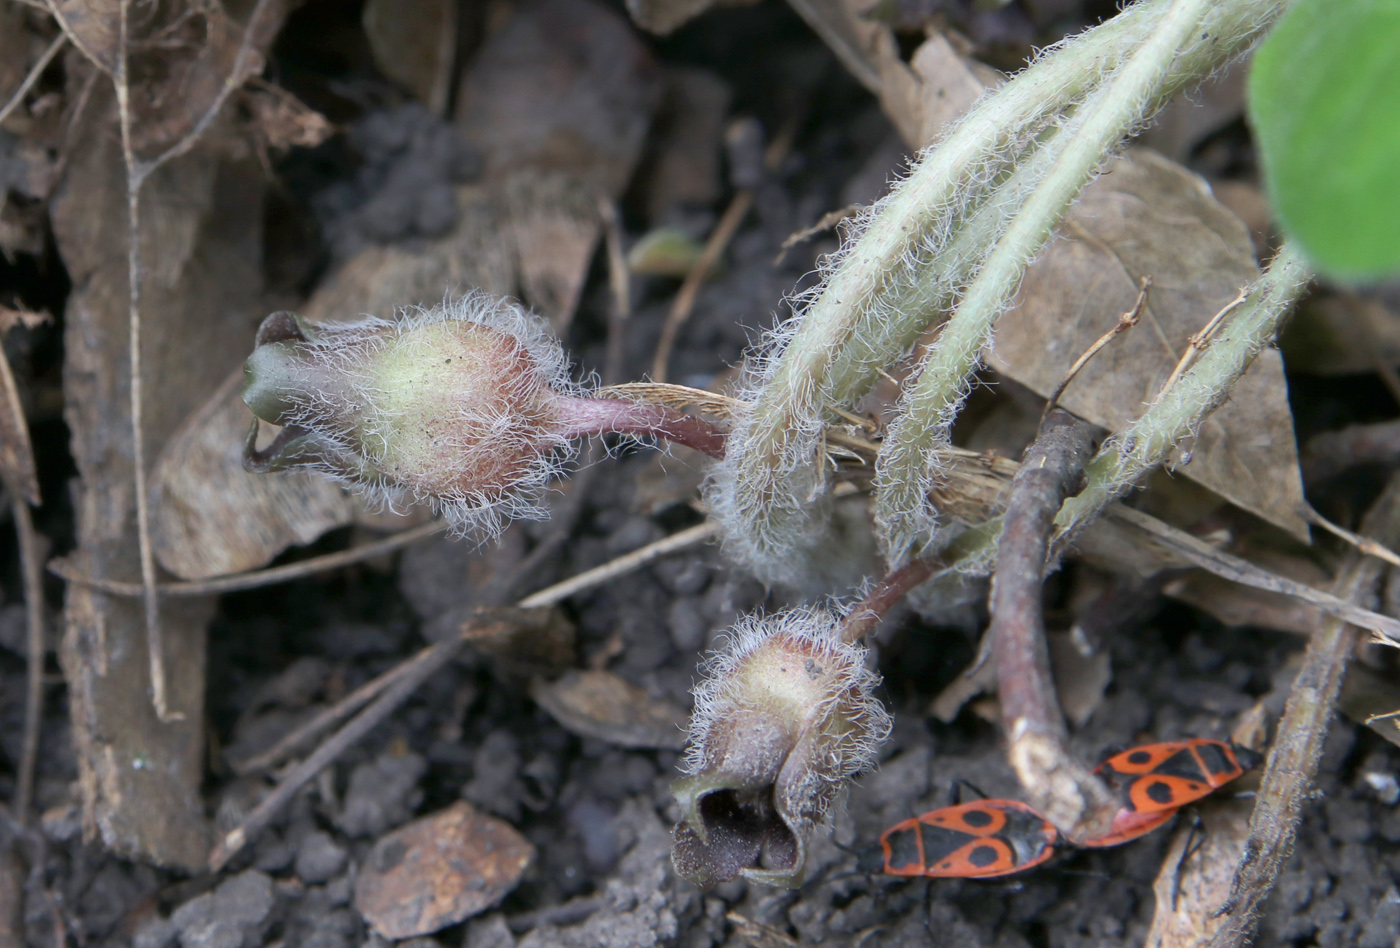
[463, 405]
[783, 718]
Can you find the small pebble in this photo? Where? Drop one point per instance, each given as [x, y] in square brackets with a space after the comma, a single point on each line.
[319, 859]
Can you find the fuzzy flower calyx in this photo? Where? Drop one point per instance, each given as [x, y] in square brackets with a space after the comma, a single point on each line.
[464, 405]
[783, 718]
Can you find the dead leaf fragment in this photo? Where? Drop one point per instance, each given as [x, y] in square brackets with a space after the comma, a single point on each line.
[523, 641]
[665, 16]
[209, 517]
[414, 42]
[558, 104]
[1193, 884]
[684, 165]
[11, 318]
[93, 27]
[1370, 698]
[949, 83]
[439, 870]
[601, 705]
[1148, 217]
[140, 777]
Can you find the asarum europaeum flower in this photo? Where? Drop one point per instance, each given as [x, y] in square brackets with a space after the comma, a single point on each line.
[467, 405]
[784, 717]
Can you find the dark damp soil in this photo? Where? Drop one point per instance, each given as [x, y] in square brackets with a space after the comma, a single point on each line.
[600, 815]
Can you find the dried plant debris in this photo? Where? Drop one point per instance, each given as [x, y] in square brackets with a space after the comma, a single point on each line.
[140, 780]
[211, 517]
[16, 454]
[601, 705]
[438, 870]
[415, 44]
[558, 104]
[1148, 217]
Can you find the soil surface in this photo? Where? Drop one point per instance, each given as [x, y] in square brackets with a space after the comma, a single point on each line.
[600, 815]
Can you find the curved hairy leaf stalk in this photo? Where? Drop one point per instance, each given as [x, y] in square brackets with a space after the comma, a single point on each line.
[1183, 46]
[905, 262]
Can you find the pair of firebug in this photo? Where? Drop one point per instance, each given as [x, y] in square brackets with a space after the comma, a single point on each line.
[991, 838]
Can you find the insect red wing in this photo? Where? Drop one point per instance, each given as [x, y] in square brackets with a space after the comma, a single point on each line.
[985, 839]
[981, 858]
[1129, 825]
[1136, 761]
[1161, 777]
[980, 818]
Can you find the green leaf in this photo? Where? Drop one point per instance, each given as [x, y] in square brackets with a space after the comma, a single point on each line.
[1324, 99]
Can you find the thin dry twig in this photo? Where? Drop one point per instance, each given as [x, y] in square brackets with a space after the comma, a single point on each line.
[1125, 322]
[32, 570]
[397, 685]
[827, 221]
[137, 171]
[256, 579]
[1200, 340]
[54, 49]
[1058, 785]
[1364, 545]
[1237, 570]
[1293, 760]
[681, 540]
[330, 717]
[719, 239]
[424, 666]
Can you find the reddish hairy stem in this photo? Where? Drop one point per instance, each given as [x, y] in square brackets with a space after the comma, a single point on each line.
[593, 416]
[868, 613]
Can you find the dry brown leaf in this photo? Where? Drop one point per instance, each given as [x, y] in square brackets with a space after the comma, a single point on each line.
[279, 120]
[16, 453]
[93, 27]
[1148, 217]
[1081, 676]
[600, 705]
[1194, 883]
[140, 778]
[949, 83]
[439, 870]
[11, 318]
[558, 104]
[414, 43]
[535, 641]
[210, 517]
[1369, 697]
[556, 228]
